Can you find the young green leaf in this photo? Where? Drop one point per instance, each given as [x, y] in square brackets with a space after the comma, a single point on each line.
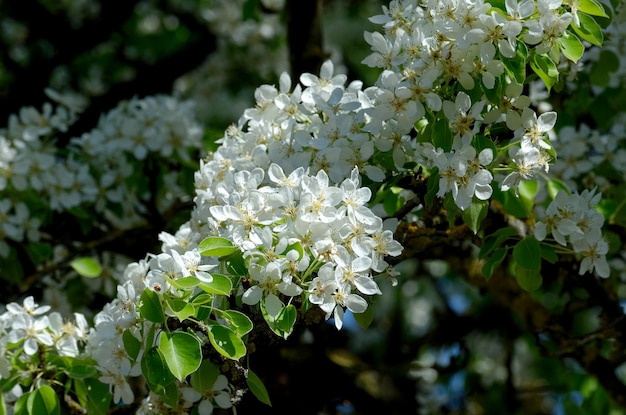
[155, 370]
[592, 7]
[180, 308]
[87, 267]
[185, 283]
[286, 320]
[132, 344]
[475, 213]
[238, 321]
[43, 401]
[258, 388]
[182, 352]
[93, 395]
[150, 306]
[571, 46]
[221, 285]
[545, 68]
[589, 30]
[527, 254]
[226, 342]
[216, 246]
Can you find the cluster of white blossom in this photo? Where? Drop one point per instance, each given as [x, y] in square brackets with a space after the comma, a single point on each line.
[26, 330]
[96, 170]
[572, 219]
[428, 47]
[302, 231]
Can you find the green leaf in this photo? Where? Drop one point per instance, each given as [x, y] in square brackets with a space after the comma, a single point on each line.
[571, 46]
[493, 262]
[527, 253]
[390, 202]
[432, 188]
[202, 298]
[589, 30]
[226, 342]
[442, 134]
[216, 246]
[592, 7]
[238, 322]
[87, 267]
[180, 308]
[549, 254]
[3, 407]
[236, 265]
[182, 352]
[496, 239]
[155, 370]
[184, 283]
[516, 66]
[43, 401]
[93, 395]
[527, 192]
[287, 319]
[528, 279]
[221, 285]
[475, 213]
[150, 306]
[20, 407]
[545, 68]
[132, 344]
[258, 388]
[204, 378]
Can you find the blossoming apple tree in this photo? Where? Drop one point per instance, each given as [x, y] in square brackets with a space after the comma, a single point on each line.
[474, 187]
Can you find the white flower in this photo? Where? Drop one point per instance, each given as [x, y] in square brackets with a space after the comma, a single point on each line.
[463, 116]
[461, 174]
[536, 128]
[593, 249]
[32, 331]
[528, 162]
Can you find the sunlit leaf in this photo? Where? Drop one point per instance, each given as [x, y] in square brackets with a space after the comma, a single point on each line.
[87, 267]
[226, 342]
[216, 246]
[182, 352]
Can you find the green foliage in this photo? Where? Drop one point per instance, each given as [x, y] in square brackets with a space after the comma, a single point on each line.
[87, 267]
[475, 213]
[258, 388]
[226, 342]
[150, 306]
[216, 246]
[182, 353]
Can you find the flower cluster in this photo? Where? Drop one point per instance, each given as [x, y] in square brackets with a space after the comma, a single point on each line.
[300, 232]
[428, 47]
[572, 218]
[30, 334]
